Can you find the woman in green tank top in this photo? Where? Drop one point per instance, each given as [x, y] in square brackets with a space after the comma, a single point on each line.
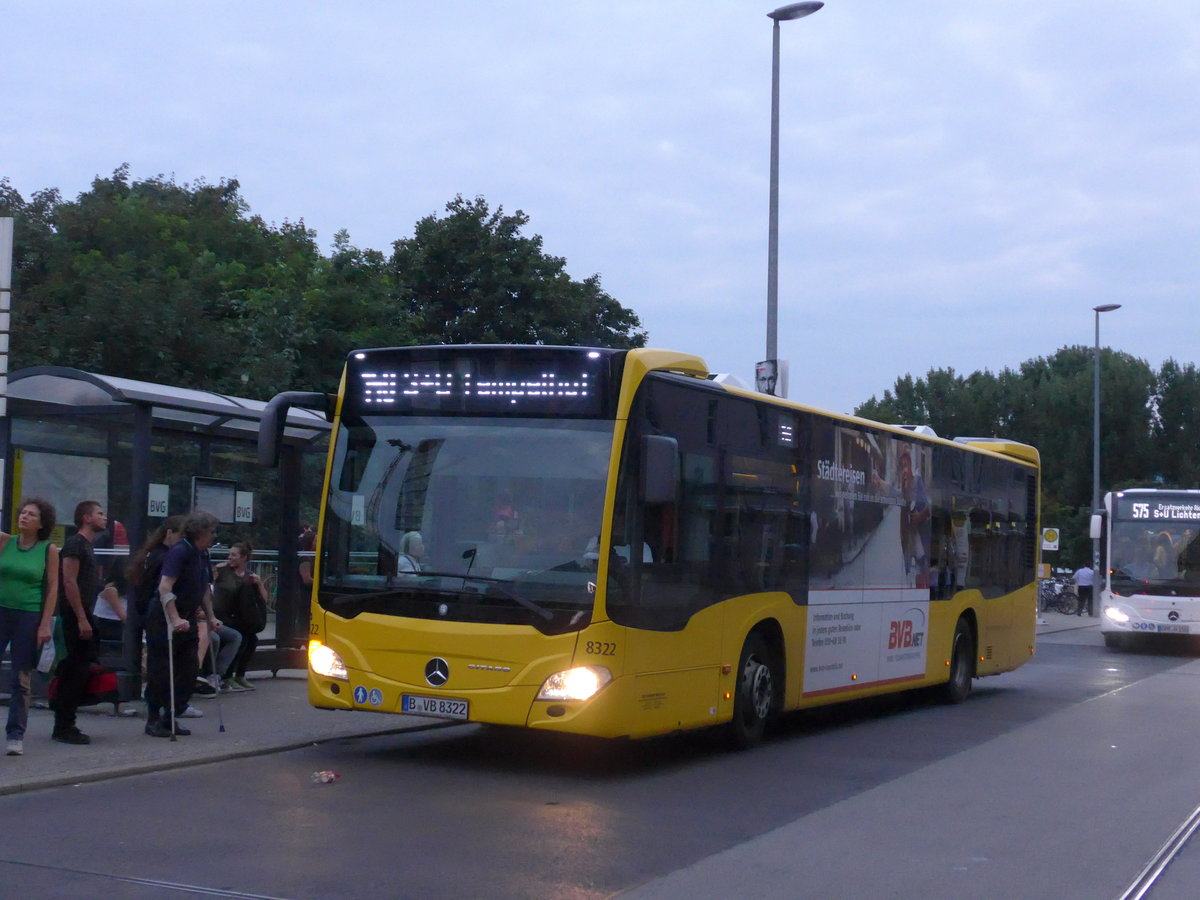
[28, 595]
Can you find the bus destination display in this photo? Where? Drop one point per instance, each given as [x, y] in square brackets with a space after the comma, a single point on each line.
[487, 380]
[1158, 509]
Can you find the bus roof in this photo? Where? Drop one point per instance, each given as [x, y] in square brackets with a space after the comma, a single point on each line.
[648, 360]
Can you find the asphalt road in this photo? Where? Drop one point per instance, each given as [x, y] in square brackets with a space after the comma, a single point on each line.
[472, 811]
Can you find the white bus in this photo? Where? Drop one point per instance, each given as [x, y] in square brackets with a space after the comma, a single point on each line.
[1152, 580]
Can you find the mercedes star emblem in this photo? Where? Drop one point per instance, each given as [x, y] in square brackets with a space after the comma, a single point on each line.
[437, 671]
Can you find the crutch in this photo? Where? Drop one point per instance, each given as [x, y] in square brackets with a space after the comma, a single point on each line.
[171, 667]
[212, 654]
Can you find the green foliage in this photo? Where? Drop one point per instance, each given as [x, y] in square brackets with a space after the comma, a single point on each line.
[347, 305]
[949, 403]
[1177, 425]
[180, 284]
[471, 276]
[162, 282]
[1075, 545]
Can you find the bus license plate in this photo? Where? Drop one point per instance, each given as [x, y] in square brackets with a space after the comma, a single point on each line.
[439, 707]
[1173, 629]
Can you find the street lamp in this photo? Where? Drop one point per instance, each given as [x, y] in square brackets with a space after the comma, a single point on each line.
[783, 14]
[1108, 307]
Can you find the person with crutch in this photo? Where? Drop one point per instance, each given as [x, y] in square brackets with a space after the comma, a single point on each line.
[143, 574]
[171, 638]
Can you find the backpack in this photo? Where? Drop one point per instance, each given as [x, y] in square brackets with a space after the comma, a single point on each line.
[251, 611]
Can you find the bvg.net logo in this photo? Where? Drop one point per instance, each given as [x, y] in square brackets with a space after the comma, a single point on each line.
[908, 632]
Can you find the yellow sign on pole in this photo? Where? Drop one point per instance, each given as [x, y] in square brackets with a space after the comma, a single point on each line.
[1049, 538]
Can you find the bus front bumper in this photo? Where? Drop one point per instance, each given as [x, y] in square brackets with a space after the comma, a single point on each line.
[606, 714]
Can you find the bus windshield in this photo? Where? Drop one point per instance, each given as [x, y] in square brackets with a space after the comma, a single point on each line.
[1162, 559]
[490, 520]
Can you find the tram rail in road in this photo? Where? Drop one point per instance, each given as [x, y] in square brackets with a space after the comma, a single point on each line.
[1149, 876]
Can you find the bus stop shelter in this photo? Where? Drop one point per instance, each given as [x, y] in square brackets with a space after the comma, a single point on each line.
[148, 451]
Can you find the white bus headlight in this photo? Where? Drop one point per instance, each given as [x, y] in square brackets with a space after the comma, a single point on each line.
[581, 683]
[324, 661]
[1116, 614]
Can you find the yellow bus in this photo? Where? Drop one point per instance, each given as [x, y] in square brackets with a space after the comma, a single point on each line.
[611, 543]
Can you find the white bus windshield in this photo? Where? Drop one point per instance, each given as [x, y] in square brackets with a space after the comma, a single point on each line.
[1155, 558]
[480, 519]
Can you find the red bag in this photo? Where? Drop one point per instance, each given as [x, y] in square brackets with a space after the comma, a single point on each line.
[101, 687]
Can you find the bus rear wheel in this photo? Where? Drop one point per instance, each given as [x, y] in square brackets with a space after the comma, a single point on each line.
[754, 697]
[962, 669]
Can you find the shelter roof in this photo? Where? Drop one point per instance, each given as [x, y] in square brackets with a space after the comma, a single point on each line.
[72, 391]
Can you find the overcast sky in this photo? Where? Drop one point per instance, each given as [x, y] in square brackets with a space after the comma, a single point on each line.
[961, 182]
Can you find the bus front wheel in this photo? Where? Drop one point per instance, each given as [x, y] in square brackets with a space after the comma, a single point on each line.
[962, 657]
[1116, 641]
[754, 698]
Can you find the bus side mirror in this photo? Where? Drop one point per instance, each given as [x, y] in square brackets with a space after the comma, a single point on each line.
[660, 469]
[1096, 527]
[274, 417]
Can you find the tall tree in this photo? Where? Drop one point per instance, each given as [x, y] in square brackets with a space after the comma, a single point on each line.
[347, 305]
[1055, 414]
[1177, 423]
[162, 282]
[473, 277]
[949, 403]
[1047, 402]
[180, 284]
[34, 229]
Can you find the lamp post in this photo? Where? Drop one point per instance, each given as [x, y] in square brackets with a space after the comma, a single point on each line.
[783, 14]
[1108, 307]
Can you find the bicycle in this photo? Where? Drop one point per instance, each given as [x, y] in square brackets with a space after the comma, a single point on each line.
[1056, 594]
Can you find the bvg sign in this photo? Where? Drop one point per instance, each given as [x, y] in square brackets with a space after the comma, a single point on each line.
[243, 506]
[158, 501]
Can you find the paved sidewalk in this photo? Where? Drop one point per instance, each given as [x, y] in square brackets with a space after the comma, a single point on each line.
[272, 718]
[1051, 622]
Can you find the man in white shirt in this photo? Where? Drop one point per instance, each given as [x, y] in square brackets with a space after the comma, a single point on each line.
[1084, 578]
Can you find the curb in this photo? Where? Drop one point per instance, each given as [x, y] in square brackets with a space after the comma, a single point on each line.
[219, 756]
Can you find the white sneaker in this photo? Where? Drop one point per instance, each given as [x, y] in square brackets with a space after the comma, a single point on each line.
[15, 748]
[191, 713]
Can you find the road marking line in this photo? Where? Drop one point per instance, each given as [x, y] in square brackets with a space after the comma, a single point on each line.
[149, 882]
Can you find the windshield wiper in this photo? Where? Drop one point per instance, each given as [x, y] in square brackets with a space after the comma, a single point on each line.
[399, 590]
[495, 588]
[340, 599]
[492, 583]
[524, 601]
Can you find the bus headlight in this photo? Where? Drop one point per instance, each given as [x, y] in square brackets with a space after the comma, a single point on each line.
[581, 683]
[1116, 614]
[324, 661]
